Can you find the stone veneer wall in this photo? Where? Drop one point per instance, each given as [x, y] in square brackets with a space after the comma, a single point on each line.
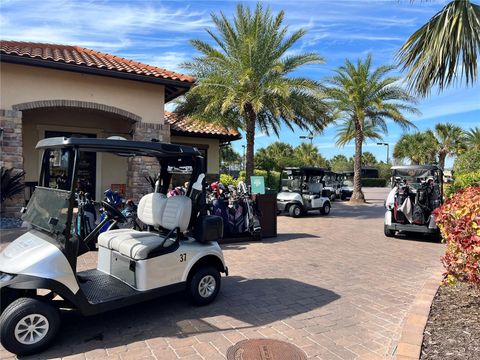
[140, 166]
[11, 154]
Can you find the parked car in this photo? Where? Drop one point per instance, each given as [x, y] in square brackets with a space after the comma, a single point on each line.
[302, 190]
[417, 190]
[179, 252]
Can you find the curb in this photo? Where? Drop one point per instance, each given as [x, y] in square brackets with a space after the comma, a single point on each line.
[410, 344]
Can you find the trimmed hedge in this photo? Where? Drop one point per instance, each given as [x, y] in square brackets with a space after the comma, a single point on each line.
[228, 180]
[373, 182]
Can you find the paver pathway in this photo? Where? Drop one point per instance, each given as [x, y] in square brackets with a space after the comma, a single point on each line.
[334, 286]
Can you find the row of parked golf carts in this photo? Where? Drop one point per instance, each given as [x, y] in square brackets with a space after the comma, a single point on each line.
[305, 189]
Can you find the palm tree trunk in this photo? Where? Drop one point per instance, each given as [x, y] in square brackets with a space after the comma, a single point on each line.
[441, 160]
[357, 195]
[250, 134]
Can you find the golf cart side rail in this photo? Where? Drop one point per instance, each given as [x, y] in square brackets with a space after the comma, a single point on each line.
[143, 148]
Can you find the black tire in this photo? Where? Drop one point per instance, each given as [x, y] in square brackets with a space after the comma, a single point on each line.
[203, 274]
[388, 232]
[342, 197]
[27, 310]
[325, 209]
[295, 211]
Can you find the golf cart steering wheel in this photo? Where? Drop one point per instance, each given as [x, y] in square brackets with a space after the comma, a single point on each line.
[113, 212]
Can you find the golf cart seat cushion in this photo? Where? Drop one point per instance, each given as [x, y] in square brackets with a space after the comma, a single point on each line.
[177, 212]
[132, 243]
[151, 207]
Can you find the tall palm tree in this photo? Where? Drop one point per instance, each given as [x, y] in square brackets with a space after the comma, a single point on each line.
[368, 159]
[419, 148]
[366, 98]
[450, 141]
[444, 49]
[346, 132]
[244, 78]
[275, 156]
[472, 138]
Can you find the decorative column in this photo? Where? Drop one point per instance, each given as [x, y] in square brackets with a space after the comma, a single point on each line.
[11, 155]
[140, 167]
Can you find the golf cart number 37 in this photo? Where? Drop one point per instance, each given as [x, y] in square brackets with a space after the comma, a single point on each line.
[183, 257]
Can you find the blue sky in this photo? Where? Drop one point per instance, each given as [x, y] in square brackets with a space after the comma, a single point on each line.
[158, 33]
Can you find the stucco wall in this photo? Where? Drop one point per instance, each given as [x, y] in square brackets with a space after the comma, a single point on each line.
[213, 152]
[21, 83]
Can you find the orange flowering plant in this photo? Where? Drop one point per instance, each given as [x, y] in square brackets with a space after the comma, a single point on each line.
[459, 221]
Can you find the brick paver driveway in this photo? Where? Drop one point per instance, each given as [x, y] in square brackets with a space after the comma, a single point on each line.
[334, 286]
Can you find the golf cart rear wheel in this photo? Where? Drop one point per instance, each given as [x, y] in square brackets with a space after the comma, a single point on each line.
[204, 285]
[295, 211]
[28, 325]
[388, 232]
[325, 209]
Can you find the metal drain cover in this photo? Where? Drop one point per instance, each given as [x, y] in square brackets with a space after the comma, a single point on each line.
[264, 349]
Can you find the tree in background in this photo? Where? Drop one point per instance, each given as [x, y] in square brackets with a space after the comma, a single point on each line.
[346, 132]
[368, 159]
[340, 163]
[450, 141]
[472, 138]
[444, 49]
[308, 155]
[418, 148]
[229, 158]
[275, 156]
[367, 97]
[244, 79]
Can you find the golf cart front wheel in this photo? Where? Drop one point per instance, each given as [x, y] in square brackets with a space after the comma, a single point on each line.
[295, 211]
[28, 325]
[204, 285]
[388, 232]
[325, 209]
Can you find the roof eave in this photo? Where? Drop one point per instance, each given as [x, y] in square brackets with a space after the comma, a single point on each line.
[221, 137]
[177, 87]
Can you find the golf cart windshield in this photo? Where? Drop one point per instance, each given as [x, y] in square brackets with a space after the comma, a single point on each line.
[48, 209]
[291, 180]
[49, 205]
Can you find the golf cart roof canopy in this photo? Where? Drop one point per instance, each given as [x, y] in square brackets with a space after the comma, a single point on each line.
[121, 147]
[309, 170]
[415, 170]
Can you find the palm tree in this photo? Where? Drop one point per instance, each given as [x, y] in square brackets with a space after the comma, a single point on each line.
[275, 156]
[418, 148]
[472, 138]
[308, 155]
[450, 141]
[346, 132]
[244, 79]
[366, 98]
[368, 159]
[443, 49]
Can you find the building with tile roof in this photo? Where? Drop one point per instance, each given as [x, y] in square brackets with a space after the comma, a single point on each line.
[64, 90]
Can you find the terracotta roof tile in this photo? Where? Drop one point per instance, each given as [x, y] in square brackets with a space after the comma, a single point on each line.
[86, 57]
[188, 126]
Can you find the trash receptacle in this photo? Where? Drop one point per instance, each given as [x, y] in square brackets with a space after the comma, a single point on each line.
[267, 205]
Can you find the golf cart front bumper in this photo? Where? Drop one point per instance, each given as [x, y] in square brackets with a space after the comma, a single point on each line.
[424, 229]
[281, 205]
[346, 193]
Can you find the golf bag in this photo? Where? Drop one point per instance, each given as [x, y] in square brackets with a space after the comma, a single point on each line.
[402, 195]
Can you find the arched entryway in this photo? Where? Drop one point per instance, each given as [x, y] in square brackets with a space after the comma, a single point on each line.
[49, 118]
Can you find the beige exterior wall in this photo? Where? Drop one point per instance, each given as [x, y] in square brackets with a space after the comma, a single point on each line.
[21, 83]
[213, 152]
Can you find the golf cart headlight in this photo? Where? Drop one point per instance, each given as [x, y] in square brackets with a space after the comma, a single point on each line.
[4, 277]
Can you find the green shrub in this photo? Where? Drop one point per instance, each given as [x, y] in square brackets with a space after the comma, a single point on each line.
[468, 162]
[227, 180]
[272, 178]
[373, 182]
[463, 181]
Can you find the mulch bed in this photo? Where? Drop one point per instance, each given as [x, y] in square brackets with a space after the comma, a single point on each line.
[453, 326]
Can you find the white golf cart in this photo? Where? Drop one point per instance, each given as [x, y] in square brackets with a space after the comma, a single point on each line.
[178, 252]
[302, 190]
[333, 183]
[417, 190]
